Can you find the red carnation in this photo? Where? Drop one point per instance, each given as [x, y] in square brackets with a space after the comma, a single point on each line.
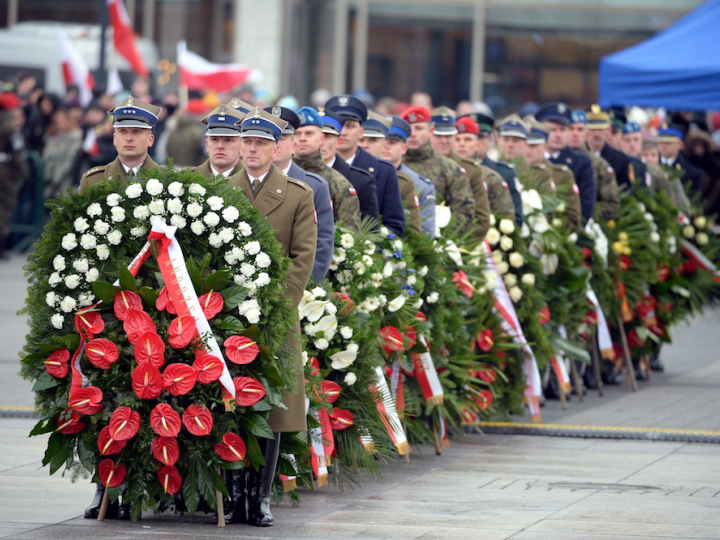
[124, 423]
[198, 420]
[102, 352]
[57, 363]
[107, 444]
[87, 400]
[125, 300]
[147, 382]
[69, 424]
[137, 323]
[150, 349]
[111, 475]
[211, 304]
[248, 391]
[182, 331]
[241, 349]
[208, 368]
[165, 450]
[165, 421]
[170, 479]
[341, 419]
[179, 379]
[233, 449]
[625, 263]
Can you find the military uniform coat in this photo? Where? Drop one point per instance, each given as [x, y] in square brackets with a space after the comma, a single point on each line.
[111, 170]
[206, 171]
[563, 177]
[476, 176]
[288, 206]
[582, 170]
[364, 184]
[608, 196]
[500, 193]
[621, 164]
[425, 190]
[691, 176]
[410, 201]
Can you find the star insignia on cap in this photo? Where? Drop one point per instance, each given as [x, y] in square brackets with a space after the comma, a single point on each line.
[343, 101]
[277, 111]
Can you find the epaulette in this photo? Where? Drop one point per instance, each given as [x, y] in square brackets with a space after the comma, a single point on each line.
[426, 180]
[298, 183]
[96, 170]
[540, 165]
[506, 164]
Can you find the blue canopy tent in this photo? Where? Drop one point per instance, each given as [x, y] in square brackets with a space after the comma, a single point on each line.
[678, 69]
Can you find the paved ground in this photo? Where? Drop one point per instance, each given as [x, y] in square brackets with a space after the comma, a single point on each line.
[484, 486]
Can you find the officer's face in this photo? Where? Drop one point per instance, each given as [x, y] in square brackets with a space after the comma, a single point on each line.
[578, 135]
[223, 152]
[442, 144]
[535, 153]
[373, 145]
[132, 143]
[420, 135]
[632, 143]
[512, 147]
[257, 154]
[483, 144]
[651, 156]
[286, 146]
[393, 151]
[669, 150]
[309, 141]
[465, 144]
[558, 136]
[350, 135]
[596, 137]
[328, 147]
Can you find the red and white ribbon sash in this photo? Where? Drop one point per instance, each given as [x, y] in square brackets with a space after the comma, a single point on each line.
[177, 280]
[427, 376]
[320, 461]
[388, 413]
[605, 344]
[700, 259]
[396, 387]
[289, 482]
[559, 366]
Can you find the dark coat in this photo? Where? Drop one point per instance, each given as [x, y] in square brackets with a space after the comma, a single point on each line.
[364, 184]
[582, 169]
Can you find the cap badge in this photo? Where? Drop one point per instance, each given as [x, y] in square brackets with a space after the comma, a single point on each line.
[302, 117]
[321, 111]
[223, 109]
[343, 101]
[256, 113]
[461, 127]
[562, 108]
[129, 101]
[276, 111]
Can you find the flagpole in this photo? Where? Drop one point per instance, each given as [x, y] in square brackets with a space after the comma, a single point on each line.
[102, 76]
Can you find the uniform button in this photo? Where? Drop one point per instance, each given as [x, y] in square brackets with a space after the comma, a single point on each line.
[279, 190]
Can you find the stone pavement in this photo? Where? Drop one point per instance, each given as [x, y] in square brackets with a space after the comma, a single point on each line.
[484, 486]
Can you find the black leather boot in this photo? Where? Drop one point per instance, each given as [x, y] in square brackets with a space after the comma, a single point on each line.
[235, 505]
[125, 511]
[92, 511]
[654, 362]
[640, 374]
[260, 484]
[609, 374]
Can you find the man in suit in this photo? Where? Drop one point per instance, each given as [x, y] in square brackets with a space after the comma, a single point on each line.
[133, 124]
[354, 113]
[222, 142]
[288, 206]
[673, 161]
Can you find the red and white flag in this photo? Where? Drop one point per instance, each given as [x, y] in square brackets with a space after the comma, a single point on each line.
[124, 37]
[75, 70]
[198, 74]
[90, 144]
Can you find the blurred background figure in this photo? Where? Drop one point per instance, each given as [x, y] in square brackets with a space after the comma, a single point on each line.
[60, 152]
[13, 167]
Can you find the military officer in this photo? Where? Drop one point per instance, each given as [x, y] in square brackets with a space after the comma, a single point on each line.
[375, 131]
[512, 138]
[558, 116]
[287, 204]
[442, 140]
[451, 184]
[608, 197]
[133, 124]
[599, 129]
[472, 141]
[362, 181]
[673, 161]
[309, 135]
[222, 142]
[393, 151]
[354, 113]
[321, 192]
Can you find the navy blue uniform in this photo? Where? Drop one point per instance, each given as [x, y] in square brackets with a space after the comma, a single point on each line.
[364, 184]
[508, 174]
[582, 169]
[624, 171]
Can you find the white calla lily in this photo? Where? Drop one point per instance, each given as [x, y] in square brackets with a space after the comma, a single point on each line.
[343, 359]
[396, 303]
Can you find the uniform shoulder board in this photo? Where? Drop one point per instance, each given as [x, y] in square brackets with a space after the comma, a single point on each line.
[477, 163]
[371, 169]
[505, 164]
[542, 165]
[569, 160]
[424, 179]
[564, 168]
[504, 184]
[96, 170]
[298, 182]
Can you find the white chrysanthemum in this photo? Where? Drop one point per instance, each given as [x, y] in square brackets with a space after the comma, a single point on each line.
[700, 222]
[572, 238]
[244, 228]
[197, 227]
[81, 224]
[528, 279]
[492, 236]
[72, 281]
[138, 231]
[347, 240]
[196, 189]
[432, 297]
[133, 191]
[141, 212]
[247, 269]
[57, 321]
[230, 258]
[397, 244]
[701, 238]
[238, 253]
[194, 209]
[230, 214]
[370, 249]
[253, 316]
[117, 213]
[81, 265]
[411, 280]
[515, 294]
[154, 187]
[178, 221]
[339, 256]
[51, 299]
[502, 268]
[59, 263]
[506, 226]
[655, 237]
[101, 227]
[68, 304]
[318, 292]
[510, 280]
[175, 206]
[360, 268]
[239, 279]
[214, 240]
[423, 271]
[346, 332]
[226, 235]
[418, 304]
[86, 299]
[215, 203]
[262, 279]
[54, 280]
[69, 241]
[88, 241]
[113, 199]
[385, 231]
[92, 275]
[330, 308]
[322, 344]
[516, 260]
[157, 206]
[353, 347]
[252, 248]
[350, 378]
[115, 237]
[506, 243]
[247, 305]
[176, 189]
[490, 277]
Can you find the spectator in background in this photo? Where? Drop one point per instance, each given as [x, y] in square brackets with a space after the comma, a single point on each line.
[715, 127]
[185, 135]
[421, 99]
[62, 145]
[702, 152]
[13, 167]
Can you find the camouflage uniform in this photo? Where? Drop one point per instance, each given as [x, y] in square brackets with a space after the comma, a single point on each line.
[607, 187]
[476, 173]
[451, 184]
[346, 205]
[563, 176]
[410, 202]
[499, 196]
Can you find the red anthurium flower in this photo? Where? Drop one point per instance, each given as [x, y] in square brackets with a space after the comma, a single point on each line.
[106, 444]
[57, 363]
[179, 379]
[198, 420]
[544, 315]
[463, 282]
[485, 340]
[147, 382]
[125, 300]
[241, 349]
[487, 374]
[208, 368]
[111, 475]
[150, 349]
[348, 303]
[420, 316]
[634, 339]
[164, 302]
[89, 323]
[248, 391]
[690, 267]
[182, 331]
[409, 338]
[211, 304]
[87, 400]
[165, 420]
[137, 323]
[663, 272]
[658, 329]
[329, 391]
[625, 263]
[102, 352]
[587, 252]
[391, 339]
[124, 423]
[341, 419]
[170, 479]
[233, 449]
[485, 399]
[165, 450]
[69, 424]
[315, 366]
[590, 317]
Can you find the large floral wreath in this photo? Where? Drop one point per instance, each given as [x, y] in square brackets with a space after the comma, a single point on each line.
[128, 384]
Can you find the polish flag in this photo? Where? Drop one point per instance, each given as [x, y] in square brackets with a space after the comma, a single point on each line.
[75, 70]
[90, 144]
[198, 74]
[124, 38]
